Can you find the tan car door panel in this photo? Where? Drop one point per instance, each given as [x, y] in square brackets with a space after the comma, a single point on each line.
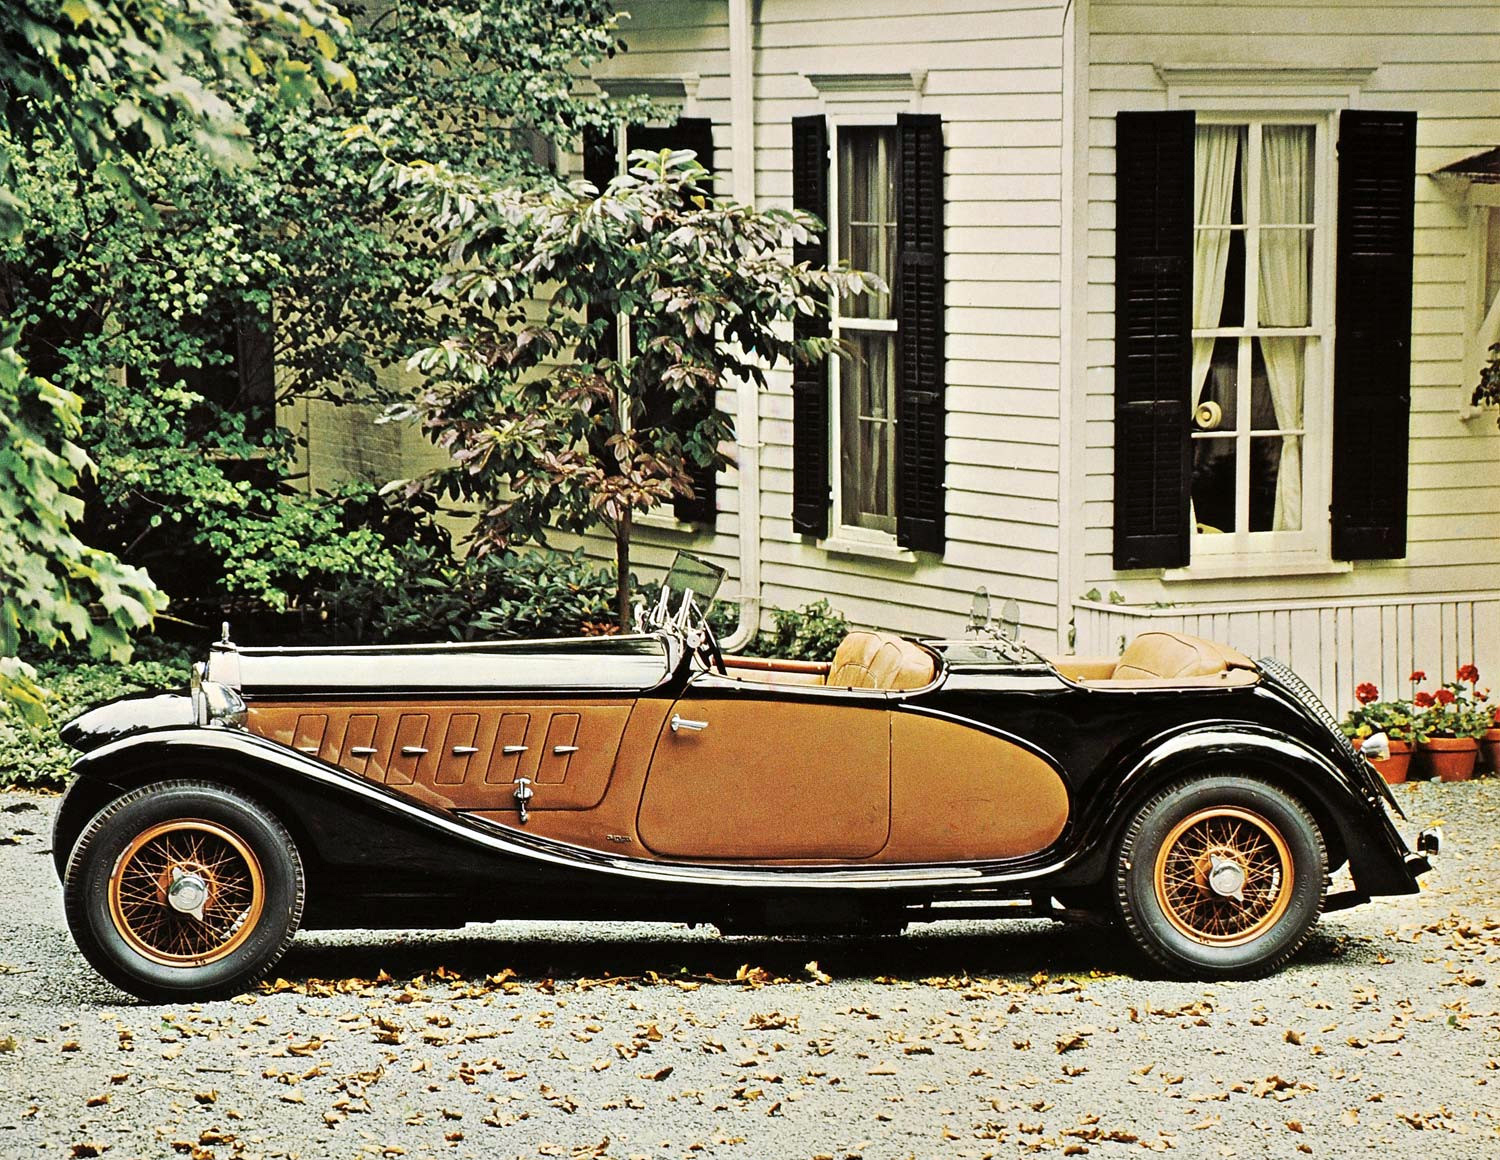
[771, 779]
[463, 754]
[959, 794]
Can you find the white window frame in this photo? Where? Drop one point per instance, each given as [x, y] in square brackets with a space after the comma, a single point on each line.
[1242, 552]
[842, 536]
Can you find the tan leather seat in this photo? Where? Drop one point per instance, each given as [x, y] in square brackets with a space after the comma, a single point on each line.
[1169, 655]
[880, 660]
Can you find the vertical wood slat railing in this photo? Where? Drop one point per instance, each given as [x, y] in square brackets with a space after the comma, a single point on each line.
[1334, 645]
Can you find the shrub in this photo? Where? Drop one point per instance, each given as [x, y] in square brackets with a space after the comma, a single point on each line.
[535, 593]
[38, 758]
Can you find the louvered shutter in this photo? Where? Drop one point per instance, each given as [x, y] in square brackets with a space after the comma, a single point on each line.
[697, 134]
[810, 403]
[1372, 347]
[601, 164]
[1153, 337]
[919, 332]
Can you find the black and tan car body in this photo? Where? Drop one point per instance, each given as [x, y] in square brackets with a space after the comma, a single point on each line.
[771, 796]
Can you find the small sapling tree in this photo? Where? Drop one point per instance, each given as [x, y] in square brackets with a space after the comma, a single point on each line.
[598, 328]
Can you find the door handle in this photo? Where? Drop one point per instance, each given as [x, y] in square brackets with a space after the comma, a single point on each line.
[680, 722]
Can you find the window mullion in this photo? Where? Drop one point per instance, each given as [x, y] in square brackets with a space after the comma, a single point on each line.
[1242, 436]
[1252, 224]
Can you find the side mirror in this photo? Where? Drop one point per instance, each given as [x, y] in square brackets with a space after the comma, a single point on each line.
[1010, 620]
[1375, 747]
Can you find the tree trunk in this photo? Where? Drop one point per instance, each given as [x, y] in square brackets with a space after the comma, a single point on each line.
[622, 569]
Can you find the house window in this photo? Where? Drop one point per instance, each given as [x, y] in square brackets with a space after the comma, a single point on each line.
[1260, 360]
[605, 156]
[1258, 432]
[864, 236]
[868, 429]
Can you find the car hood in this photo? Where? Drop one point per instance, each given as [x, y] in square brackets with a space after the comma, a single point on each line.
[589, 664]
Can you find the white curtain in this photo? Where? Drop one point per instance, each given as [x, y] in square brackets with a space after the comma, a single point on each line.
[1284, 301]
[1214, 154]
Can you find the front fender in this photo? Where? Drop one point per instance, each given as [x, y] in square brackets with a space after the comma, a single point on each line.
[1354, 823]
[127, 717]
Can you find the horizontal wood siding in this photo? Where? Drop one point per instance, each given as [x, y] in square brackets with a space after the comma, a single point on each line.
[994, 75]
[1437, 59]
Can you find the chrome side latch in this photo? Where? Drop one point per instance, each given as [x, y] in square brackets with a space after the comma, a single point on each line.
[680, 722]
[523, 794]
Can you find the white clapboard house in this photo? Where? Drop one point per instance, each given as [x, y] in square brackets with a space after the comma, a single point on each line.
[1188, 301]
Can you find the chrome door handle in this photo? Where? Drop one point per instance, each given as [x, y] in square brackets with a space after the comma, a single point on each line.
[680, 722]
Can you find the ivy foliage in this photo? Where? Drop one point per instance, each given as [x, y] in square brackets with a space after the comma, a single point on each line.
[106, 79]
[49, 575]
[548, 423]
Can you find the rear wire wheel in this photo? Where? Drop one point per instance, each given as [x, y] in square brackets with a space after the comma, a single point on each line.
[184, 890]
[1221, 877]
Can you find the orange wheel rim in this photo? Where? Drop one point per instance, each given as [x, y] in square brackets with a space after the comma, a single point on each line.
[1224, 876]
[186, 893]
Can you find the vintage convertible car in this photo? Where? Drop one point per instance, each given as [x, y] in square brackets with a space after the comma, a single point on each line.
[1196, 797]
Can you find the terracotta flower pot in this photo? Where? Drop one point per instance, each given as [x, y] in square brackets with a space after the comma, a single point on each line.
[1489, 744]
[1394, 768]
[1451, 758]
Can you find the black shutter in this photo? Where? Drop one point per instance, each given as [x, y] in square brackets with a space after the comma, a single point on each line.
[1153, 337]
[601, 164]
[1372, 346]
[697, 134]
[810, 491]
[919, 332]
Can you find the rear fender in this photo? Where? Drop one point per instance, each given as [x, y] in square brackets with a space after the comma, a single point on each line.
[1354, 825]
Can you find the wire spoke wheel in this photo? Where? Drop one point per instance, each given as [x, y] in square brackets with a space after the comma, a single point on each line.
[1224, 876]
[186, 892]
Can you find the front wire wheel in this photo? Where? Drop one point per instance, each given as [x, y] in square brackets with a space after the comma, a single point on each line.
[184, 890]
[1221, 877]
[187, 893]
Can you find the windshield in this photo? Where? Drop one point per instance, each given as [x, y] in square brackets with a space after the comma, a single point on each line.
[690, 573]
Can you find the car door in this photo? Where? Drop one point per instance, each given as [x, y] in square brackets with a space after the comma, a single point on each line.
[769, 773]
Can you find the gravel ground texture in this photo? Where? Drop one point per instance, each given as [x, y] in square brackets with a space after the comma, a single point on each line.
[621, 1040]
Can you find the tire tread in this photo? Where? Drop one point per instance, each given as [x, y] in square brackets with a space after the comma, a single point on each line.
[1143, 938]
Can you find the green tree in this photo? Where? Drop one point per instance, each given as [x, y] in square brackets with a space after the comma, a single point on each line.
[193, 481]
[548, 424]
[108, 78]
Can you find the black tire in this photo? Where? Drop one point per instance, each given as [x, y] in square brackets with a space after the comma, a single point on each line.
[115, 886]
[1257, 836]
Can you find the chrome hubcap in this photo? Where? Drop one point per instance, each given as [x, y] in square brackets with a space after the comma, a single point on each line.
[1226, 878]
[188, 893]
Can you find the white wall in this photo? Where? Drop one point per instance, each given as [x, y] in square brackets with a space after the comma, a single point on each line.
[1440, 60]
[994, 73]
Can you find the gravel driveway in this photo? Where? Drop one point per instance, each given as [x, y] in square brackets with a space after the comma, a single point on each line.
[959, 1040]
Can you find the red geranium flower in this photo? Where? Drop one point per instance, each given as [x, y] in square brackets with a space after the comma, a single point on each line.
[1417, 675]
[1468, 673]
[1423, 700]
[1445, 696]
[1366, 693]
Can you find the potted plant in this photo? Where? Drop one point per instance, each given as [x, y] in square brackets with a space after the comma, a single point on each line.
[1453, 718]
[1489, 744]
[1394, 719]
